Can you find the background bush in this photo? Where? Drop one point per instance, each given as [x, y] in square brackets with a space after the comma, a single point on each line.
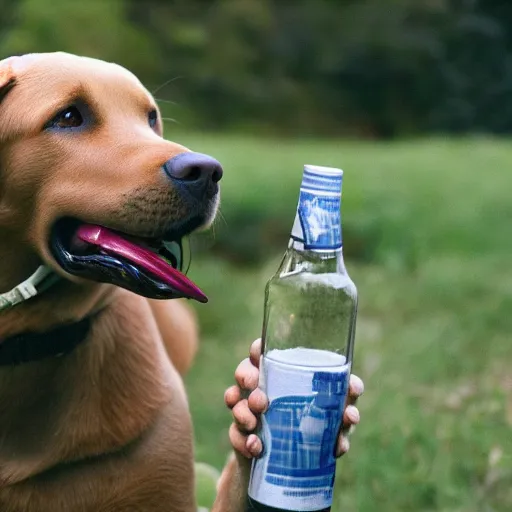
[370, 68]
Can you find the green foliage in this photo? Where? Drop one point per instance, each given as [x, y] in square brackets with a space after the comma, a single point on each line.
[95, 28]
[206, 484]
[433, 334]
[370, 68]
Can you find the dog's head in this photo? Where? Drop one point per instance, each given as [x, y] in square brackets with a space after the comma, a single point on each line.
[88, 183]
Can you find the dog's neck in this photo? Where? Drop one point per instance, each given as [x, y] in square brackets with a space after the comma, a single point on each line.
[17, 264]
[62, 303]
[34, 347]
[42, 279]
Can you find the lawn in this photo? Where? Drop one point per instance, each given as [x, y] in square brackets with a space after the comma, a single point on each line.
[428, 238]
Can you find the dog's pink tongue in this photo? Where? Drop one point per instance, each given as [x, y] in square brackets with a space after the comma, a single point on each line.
[113, 243]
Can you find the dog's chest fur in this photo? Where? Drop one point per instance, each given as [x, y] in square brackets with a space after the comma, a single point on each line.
[107, 425]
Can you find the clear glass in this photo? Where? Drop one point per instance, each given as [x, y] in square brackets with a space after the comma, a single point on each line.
[310, 302]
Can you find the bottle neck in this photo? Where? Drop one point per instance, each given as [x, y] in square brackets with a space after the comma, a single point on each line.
[316, 235]
[325, 261]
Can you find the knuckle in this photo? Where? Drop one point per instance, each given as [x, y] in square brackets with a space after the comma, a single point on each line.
[241, 407]
[235, 436]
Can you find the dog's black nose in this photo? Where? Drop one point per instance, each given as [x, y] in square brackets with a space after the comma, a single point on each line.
[196, 170]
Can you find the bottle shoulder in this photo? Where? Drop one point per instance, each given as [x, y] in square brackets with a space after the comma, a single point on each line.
[306, 278]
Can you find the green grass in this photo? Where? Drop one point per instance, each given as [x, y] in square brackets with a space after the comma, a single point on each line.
[428, 237]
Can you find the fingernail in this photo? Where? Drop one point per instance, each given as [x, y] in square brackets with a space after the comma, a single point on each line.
[252, 442]
[352, 414]
[357, 385]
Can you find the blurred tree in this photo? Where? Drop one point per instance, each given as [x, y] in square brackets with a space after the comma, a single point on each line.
[7, 10]
[377, 68]
[97, 28]
[477, 69]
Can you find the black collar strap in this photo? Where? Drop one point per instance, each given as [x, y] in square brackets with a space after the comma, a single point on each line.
[28, 347]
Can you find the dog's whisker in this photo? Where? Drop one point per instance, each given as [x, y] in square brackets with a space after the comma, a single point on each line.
[161, 100]
[170, 120]
[165, 84]
[220, 217]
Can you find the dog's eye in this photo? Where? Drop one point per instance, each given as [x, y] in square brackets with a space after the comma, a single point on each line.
[153, 118]
[69, 118]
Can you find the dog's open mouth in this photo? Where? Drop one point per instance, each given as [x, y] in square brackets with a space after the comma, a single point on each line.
[148, 267]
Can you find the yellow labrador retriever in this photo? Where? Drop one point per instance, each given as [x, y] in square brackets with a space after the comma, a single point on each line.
[93, 206]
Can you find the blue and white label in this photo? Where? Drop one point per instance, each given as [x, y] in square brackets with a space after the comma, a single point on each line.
[307, 390]
[318, 221]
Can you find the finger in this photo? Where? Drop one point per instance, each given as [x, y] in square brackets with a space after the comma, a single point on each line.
[238, 441]
[243, 416]
[232, 396]
[355, 389]
[351, 416]
[343, 446]
[258, 401]
[247, 375]
[254, 445]
[255, 353]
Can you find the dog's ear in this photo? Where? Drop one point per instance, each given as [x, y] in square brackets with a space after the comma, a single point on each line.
[7, 78]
